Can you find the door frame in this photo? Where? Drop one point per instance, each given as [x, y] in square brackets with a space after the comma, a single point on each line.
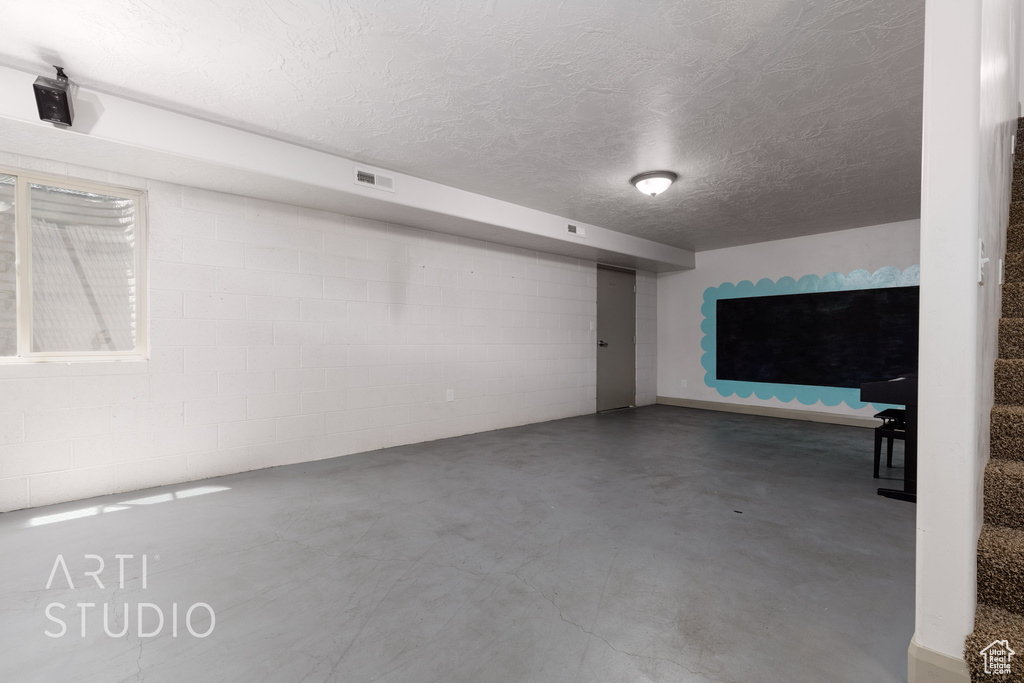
[597, 388]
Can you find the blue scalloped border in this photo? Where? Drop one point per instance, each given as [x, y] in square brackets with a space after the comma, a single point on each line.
[888, 276]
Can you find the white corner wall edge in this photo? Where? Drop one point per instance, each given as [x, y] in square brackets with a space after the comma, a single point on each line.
[115, 134]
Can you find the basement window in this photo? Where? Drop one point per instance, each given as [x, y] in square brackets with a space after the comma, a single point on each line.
[72, 270]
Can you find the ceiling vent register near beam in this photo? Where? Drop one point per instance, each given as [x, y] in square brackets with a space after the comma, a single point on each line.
[374, 180]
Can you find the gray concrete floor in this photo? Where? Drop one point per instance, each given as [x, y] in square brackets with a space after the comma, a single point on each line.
[659, 544]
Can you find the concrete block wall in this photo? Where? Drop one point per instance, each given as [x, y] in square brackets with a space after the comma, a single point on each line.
[281, 334]
[646, 338]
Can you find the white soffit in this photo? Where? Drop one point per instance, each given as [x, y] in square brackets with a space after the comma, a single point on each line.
[115, 134]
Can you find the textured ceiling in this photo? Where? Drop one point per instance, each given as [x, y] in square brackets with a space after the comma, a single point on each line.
[782, 117]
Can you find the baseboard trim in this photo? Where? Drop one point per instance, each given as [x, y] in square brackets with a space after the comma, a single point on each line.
[771, 411]
[925, 665]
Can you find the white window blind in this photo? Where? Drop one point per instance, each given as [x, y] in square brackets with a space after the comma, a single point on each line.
[72, 260]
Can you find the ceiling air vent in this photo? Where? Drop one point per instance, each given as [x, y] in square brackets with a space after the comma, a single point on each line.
[374, 179]
[576, 230]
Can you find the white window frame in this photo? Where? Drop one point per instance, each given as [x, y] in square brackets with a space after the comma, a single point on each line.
[23, 269]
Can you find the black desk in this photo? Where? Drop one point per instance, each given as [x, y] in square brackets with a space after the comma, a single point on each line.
[900, 391]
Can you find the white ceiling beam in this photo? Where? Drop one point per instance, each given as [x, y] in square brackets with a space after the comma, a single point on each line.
[116, 134]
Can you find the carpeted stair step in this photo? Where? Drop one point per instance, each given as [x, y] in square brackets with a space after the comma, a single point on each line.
[1018, 145]
[1009, 381]
[992, 624]
[1004, 494]
[1001, 568]
[1011, 338]
[1016, 213]
[1007, 432]
[1013, 300]
[1017, 189]
[1015, 235]
[1013, 267]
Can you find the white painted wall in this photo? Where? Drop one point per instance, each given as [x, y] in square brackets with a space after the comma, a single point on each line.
[646, 338]
[1020, 61]
[971, 56]
[282, 334]
[680, 296]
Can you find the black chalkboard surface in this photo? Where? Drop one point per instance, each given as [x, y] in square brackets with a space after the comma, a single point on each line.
[831, 339]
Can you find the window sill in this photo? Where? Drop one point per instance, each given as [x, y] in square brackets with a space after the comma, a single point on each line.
[90, 358]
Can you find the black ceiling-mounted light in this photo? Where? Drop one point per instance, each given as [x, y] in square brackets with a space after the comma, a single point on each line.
[53, 99]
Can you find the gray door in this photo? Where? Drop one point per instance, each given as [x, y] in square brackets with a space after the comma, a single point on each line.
[616, 343]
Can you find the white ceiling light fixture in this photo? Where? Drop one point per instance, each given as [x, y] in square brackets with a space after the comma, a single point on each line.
[654, 182]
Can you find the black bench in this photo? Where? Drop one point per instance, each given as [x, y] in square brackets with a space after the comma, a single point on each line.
[894, 426]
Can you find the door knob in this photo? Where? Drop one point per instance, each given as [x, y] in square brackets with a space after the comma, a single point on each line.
[602, 343]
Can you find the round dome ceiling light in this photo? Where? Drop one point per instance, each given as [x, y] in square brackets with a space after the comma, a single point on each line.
[654, 182]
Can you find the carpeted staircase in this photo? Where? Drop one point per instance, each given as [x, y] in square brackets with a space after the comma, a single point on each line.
[1000, 613]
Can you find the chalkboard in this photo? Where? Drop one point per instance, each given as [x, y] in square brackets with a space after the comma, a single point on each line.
[830, 339]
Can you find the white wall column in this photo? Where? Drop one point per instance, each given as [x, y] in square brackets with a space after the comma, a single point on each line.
[970, 85]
